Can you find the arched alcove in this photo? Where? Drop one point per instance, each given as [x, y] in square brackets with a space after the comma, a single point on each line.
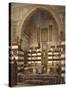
[30, 12]
[49, 13]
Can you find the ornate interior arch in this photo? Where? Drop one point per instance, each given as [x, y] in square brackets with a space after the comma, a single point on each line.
[45, 8]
